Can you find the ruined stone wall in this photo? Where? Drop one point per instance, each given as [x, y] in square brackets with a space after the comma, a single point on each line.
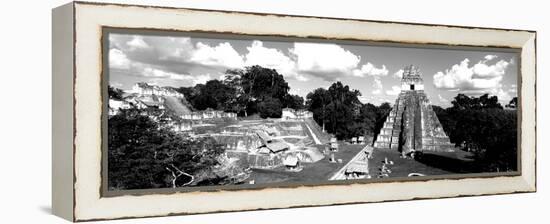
[238, 142]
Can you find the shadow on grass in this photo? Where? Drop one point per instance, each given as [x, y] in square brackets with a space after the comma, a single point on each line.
[446, 163]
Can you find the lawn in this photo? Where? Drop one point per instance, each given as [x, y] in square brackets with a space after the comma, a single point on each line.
[431, 163]
[312, 172]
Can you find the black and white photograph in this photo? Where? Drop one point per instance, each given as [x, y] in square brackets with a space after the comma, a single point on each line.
[275, 112]
[190, 110]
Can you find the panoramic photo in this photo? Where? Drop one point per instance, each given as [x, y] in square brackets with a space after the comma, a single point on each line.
[187, 111]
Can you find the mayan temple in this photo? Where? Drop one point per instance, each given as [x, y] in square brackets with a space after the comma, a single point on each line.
[412, 125]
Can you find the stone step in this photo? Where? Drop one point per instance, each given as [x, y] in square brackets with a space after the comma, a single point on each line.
[381, 145]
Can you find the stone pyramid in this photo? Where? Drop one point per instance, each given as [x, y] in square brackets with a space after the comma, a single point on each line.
[412, 125]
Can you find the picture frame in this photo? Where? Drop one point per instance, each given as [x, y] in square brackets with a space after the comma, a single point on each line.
[79, 35]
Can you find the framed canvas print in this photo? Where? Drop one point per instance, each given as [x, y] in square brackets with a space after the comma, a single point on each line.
[166, 111]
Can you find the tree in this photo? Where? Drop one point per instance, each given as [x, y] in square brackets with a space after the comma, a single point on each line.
[255, 84]
[384, 108]
[481, 126]
[381, 113]
[317, 102]
[485, 101]
[368, 117]
[489, 102]
[270, 108]
[214, 94]
[262, 82]
[336, 108]
[242, 98]
[115, 93]
[513, 103]
[143, 154]
[446, 119]
[293, 101]
[490, 134]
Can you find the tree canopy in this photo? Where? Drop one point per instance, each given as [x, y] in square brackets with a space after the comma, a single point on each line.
[253, 89]
[485, 101]
[214, 94]
[480, 125]
[261, 90]
[340, 112]
[143, 155]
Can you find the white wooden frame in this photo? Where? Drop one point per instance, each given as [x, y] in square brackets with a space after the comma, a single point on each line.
[77, 110]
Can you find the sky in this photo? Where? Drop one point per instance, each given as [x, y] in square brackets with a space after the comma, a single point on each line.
[372, 69]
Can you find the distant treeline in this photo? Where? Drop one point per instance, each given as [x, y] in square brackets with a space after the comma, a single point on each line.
[245, 91]
[481, 125]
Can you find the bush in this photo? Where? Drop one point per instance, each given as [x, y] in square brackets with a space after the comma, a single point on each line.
[270, 108]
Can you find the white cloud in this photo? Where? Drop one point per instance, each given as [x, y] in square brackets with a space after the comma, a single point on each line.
[272, 58]
[377, 92]
[181, 58]
[504, 96]
[294, 91]
[160, 74]
[269, 57]
[152, 57]
[137, 42]
[513, 89]
[482, 70]
[118, 60]
[377, 86]
[480, 76]
[370, 70]
[181, 50]
[222, 77]
[174, 48]
[490, 57]
[201, 79]
[394, 91]
[301, 78]
[328, 61]
[222, 55]
[398, 74]
[451, 79]
[364, 99]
